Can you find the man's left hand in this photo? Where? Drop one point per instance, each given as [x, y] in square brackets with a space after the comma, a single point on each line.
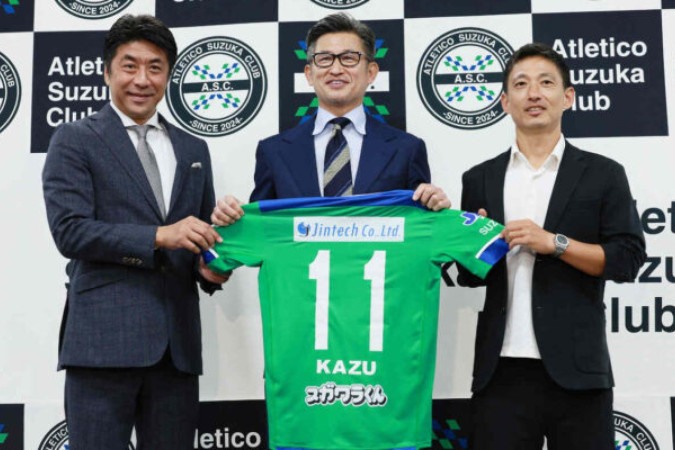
[432, 197]
[211, 276]
[527, 233]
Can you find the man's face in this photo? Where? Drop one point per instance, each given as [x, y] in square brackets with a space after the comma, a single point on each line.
[137, 79]
[536, 97]
[340, 89]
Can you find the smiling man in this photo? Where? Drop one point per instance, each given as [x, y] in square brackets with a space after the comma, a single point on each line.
[343, 151]
[128, 197]
[542, 367]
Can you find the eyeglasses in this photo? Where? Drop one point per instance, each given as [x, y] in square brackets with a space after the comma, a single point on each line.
[347, 59]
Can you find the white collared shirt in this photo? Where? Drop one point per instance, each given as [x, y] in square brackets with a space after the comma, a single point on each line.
[158, 140]
[354, 133]
[527, 192]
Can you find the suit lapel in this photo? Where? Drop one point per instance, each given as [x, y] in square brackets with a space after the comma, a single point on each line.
[569, 172]
[300, 159]
[108, 126]
[376, 151]
[181, 152]
[494, 186]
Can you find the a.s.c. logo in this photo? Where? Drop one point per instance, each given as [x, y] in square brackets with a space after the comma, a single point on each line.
[93, 9]
[10, 91]
[217, 86]
[630, 434]
[340, 4]
[459, 77]
[57, 438]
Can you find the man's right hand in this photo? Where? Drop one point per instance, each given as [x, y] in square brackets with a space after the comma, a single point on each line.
[227, 211]
[190, 233]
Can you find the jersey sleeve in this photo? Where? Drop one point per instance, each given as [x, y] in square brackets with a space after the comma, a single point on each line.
[469, 239]
[243, 243]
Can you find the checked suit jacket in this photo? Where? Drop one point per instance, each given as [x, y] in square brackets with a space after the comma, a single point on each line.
[390, 159]
[127, 302]
[591, 202]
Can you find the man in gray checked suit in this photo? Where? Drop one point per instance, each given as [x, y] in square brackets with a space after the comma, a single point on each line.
[128, 197]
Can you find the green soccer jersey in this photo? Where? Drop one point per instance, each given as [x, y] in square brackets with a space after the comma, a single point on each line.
[349, 293]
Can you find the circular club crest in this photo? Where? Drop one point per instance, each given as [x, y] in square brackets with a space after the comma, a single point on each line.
[10, 91]
[57, 438]
[217, 86]
[93, 9]
[340, 4]
[629, 433]
[459, 77]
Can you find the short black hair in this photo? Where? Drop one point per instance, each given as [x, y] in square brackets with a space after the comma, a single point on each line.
[341, 23]
[129, 28]
[538, 49]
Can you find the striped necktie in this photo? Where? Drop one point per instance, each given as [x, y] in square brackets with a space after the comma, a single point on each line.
[149, 162]
[337, 170]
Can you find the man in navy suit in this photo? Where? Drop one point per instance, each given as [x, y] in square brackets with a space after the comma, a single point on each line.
[542, 367]
[340, 67]
[128, 197]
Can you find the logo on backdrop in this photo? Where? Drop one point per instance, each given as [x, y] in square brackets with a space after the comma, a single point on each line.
[10, 91]
[93, 9]
[616, 66]
[231, 424]
[16, 15]
[630, 434]
[67, 81]
[57, 438]
[217, 86]
[188, 13]
[434, 8]
[8, 6]
[298, 102]
[340, 4]
[449, 420]
[459, 77]
[11, 427]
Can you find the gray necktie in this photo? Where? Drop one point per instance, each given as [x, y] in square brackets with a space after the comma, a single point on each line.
[149, 163]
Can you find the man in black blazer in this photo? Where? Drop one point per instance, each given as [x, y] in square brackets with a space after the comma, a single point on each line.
[128, 197]
[542, 367]
[340, 67]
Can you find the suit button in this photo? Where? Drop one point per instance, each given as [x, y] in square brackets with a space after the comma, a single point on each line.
[125, 260]
[502, 311]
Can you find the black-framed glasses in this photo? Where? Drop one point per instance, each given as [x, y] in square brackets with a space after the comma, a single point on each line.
[347, 59]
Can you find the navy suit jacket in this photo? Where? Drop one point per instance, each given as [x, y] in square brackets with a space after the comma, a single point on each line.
[126, 301]
[390, 159]
[591, 202]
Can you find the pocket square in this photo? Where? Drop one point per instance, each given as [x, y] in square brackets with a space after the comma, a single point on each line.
[196, 165]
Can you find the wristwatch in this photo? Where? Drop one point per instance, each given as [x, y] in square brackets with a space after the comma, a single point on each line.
[561, 242]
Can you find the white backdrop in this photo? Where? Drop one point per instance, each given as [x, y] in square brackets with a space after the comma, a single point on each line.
[32, 277]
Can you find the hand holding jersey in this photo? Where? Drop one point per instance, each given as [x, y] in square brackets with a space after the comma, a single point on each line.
[349, 291]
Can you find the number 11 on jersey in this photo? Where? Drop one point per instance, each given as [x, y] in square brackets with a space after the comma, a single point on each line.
[373, 271]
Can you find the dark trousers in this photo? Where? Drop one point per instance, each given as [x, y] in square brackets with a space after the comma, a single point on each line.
[103, 405]
[522, 405]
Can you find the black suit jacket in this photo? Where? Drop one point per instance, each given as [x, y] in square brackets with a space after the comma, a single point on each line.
[591, 202]
[390, 159]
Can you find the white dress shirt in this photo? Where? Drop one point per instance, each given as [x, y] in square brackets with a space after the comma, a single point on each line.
[159, 142]
[527, 192]
[354, 133]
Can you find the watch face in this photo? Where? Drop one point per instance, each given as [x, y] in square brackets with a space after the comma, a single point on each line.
[560, 239]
